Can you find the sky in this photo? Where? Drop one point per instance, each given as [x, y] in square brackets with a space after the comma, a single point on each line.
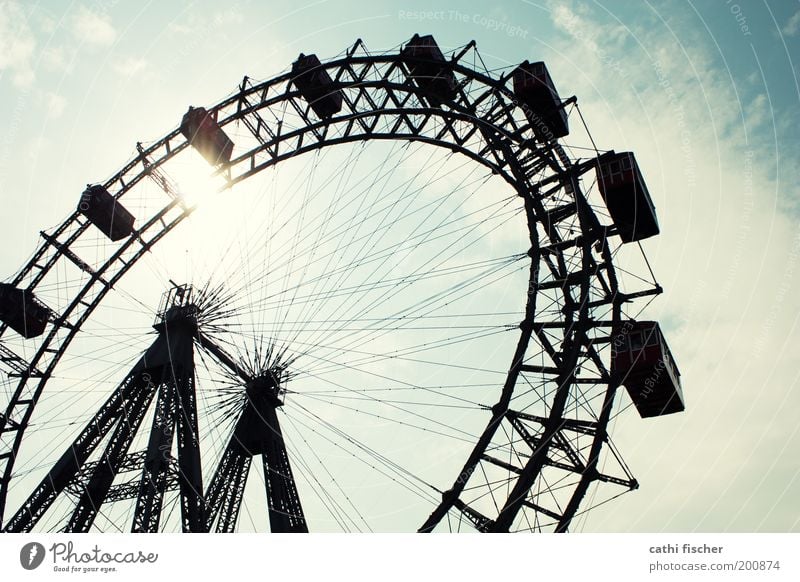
[706, 93]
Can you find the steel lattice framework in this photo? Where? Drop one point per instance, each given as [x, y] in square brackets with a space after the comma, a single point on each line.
[559, 359]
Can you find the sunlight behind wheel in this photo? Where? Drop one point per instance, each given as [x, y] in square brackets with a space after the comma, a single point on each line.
[197, 182]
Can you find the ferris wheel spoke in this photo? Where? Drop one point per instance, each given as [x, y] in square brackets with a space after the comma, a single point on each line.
[325, 497]
[391, 419]
[408, 316]
[403, 477]
[386, 252]
[326, 380]
[356, 227]
[386, 258]
[392, 291]
[270, 267]
[361, 238]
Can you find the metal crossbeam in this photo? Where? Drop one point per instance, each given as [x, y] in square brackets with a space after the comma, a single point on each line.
[70, 463]
[96, 488]
[19, 366]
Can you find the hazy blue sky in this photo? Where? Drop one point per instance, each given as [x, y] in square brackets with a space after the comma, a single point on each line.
[706, 93]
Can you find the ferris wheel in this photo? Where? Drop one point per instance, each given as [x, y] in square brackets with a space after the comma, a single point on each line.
[397, 299]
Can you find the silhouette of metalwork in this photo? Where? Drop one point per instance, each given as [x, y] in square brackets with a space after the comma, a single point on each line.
[510, 123]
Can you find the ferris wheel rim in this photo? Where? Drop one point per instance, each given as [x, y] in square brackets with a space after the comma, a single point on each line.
[494, 85]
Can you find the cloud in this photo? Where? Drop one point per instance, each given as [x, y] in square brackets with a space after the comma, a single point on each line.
[17, 44]
[48, 24]
[200, 24]
[178, 28]
[757, 112]
[792, 25]
[576, 22]
[55, 105]
[35, 149]
[130, 66]
[93, 28]
[231, 15]
[54, 58]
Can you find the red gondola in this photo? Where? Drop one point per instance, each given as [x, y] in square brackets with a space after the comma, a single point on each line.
[22, 312]
[204, 133]
[316, 86]
[626, 197]
[106, 213]
[641, 359]
[536, 91]
[427, 67]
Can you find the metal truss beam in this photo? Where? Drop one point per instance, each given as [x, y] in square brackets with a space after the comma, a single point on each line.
[96, 489]
[71, 461]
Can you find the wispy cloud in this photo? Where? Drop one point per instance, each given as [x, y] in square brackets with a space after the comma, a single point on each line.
[200, 23]
[55, 58]
[17, 44]
[93, 28]
[34, 149]
[230, 15]
[130, 66]
[792, 26]
[55, 105]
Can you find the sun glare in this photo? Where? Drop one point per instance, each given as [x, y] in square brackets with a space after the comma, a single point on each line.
[196, 180]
